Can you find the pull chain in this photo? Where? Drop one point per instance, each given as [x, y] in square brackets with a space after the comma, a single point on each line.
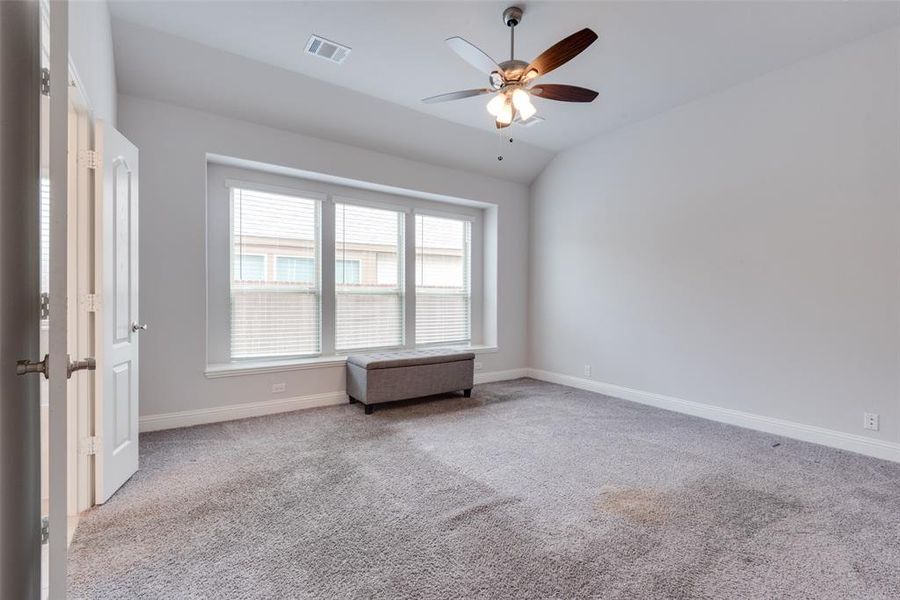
[500, 145]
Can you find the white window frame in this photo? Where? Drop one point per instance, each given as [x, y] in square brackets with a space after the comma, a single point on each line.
[467, 273]
[404, 293]
[319, 199]
[328, 194]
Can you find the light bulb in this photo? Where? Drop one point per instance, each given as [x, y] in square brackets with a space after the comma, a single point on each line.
[505, 116]
[523, 104]
[496, 104]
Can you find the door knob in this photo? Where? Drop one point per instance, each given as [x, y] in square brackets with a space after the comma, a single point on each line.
[86, 364]
[23, 367]
[135, 327]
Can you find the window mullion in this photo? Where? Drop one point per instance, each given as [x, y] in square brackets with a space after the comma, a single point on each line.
[409, 280]
[328, 294]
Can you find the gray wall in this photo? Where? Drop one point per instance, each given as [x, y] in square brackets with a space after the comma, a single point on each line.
[174, 143]
[741, 251]
[91, 50]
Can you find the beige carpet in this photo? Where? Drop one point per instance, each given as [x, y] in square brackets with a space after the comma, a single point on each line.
[526, 490]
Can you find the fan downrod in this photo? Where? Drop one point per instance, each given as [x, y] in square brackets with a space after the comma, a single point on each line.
[512, 16]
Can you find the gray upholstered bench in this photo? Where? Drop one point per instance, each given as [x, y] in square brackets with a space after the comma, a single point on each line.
[388, 376]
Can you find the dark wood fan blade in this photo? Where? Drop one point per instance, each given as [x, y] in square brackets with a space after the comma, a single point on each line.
[566, 93]
[562, 52]
[473, 55]
[456, 95]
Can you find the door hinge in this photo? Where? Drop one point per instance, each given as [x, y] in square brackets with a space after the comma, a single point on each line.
[89, 159]
[90, 302]
[90, 445]
[45, 530]
[45, 306]
[45, 81]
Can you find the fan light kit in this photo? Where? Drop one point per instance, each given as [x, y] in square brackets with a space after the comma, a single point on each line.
[513, 81]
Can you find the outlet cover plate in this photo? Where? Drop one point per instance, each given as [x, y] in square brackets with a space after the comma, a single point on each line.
[870, 421]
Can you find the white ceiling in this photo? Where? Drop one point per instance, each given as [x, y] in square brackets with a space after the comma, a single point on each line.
[651, 56]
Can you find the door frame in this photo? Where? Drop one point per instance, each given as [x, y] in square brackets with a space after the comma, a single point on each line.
[80, 287]
[79, 466]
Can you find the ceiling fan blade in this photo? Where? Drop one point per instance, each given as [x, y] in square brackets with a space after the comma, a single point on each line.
[562, 52]
[456, 95]
[473, 55]
[565, 93]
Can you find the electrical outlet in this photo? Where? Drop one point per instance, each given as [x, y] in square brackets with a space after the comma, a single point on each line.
[870, 421]
[278, 387]
[478, 366]
[587, 370]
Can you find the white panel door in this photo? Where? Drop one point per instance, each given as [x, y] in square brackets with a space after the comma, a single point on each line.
[117, 324]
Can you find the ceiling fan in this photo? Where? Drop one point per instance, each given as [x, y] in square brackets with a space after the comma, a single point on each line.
[513, 81]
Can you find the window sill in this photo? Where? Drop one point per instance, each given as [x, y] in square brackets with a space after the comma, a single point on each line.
[237, 369]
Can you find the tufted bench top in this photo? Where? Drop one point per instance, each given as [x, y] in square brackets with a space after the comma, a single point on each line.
[408, 358]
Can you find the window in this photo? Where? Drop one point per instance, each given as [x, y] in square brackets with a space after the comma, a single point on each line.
[386, 269]
[301, 269]
[443, 290]
[45, 244]
[250, 267]
[368, 293]
[274, 316]
[347, 271]
[296, 269]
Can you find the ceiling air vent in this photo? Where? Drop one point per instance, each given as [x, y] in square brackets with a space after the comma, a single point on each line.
[327, 49]
[532, 121]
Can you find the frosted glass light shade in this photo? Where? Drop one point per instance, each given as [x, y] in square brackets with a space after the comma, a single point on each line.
[523, 104]
[496, 104]
[506, 114]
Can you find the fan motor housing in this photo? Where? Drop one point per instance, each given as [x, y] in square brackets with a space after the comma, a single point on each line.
[513, 69]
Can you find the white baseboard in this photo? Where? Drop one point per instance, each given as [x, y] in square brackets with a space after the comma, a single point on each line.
[500, 376]
[231, 412]
[807, 433]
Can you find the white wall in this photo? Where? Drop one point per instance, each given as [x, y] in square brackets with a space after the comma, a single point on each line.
[91, 50]
[158, 66]
[173, 144]
[741, 251]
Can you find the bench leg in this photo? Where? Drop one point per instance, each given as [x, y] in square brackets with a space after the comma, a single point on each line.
[353, 400]
[370, 409]
[468, 393]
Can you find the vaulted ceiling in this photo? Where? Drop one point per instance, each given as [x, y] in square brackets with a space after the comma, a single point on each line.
[246, 59]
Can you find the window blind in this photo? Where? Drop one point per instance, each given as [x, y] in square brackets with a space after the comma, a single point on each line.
[275, 289]
[45, 241]
[368, 277]
[443, 289]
